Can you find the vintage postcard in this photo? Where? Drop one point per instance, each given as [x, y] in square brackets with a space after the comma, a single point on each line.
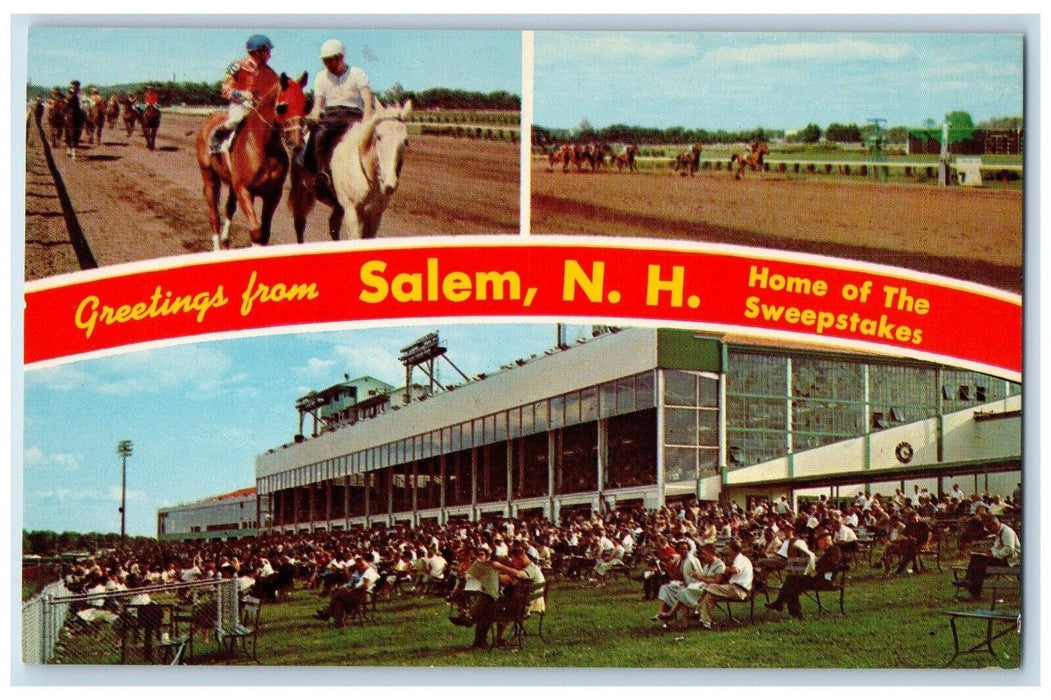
[473, 348]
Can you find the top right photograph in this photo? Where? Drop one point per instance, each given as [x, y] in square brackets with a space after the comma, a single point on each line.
[903, 149]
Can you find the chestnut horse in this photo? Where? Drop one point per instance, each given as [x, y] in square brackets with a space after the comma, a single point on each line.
[95, 119]
[112, 111]
[563, 154]
[56, 120]
[689, 161]
[366, 165]
[626, 158]
[257, 162]
[752, 158]
[129, 115]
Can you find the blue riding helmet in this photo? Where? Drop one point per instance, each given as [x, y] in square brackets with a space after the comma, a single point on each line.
[258, 41]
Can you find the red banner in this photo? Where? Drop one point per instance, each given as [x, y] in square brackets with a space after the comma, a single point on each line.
[708, 287]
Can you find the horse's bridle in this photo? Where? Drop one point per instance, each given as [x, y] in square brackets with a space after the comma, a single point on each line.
[361, 163]
[291, 124]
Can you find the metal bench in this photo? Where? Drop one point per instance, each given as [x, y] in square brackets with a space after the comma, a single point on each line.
[1012, 621]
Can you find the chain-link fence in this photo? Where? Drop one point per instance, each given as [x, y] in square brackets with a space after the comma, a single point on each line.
[148, 625]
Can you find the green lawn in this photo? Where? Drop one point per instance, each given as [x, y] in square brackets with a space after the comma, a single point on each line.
[891, 623]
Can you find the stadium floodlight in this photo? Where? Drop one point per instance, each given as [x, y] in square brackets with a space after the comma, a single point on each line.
[124, 450]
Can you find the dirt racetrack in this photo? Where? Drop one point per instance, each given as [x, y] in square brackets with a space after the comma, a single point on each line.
[136, 204]
[971, 234]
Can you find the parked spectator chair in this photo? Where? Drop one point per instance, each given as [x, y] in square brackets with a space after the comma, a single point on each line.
[245, 631]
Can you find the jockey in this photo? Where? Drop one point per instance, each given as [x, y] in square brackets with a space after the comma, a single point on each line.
[74, 92]
[342, 96]
[149, 98]
[241, 78]
[96, 97]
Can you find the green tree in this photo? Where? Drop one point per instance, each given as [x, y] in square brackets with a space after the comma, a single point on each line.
[811, 133]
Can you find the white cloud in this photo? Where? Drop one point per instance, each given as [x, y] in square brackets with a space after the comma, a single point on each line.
[377, 361]
[63, 495]
[33, 456]
[842, 49]
[605, 49]
[201, 371]
[315, 368]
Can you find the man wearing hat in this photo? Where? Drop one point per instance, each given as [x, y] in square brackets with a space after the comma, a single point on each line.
[243, 77]
[342, 96]
[828, 563]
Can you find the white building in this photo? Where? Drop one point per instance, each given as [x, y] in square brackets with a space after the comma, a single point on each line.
[230, 516]
[647, 416]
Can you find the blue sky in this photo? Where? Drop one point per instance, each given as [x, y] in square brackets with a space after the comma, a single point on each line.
[776, 80]
[416, 59]
[199, 413]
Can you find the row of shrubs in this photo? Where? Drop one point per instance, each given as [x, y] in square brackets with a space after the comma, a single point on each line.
[480, 117]
[471, 132]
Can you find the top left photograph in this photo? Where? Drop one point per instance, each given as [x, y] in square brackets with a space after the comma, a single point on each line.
[148, 143]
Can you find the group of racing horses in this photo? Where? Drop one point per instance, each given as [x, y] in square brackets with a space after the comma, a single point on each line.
[593, 155]
[70, 118]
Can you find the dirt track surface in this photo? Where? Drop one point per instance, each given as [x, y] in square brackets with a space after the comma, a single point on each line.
[971, 234]
[136, 204]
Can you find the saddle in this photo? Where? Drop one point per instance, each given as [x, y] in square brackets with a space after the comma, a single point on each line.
[222, 139]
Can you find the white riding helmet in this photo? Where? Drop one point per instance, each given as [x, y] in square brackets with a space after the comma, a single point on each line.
[332, 48]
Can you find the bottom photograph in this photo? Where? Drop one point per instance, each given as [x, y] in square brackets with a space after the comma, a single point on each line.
[512, 495]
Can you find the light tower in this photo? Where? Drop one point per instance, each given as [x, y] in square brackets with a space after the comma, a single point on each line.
[124, 450]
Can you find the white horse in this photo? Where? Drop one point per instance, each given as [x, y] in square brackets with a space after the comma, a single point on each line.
[366, 165]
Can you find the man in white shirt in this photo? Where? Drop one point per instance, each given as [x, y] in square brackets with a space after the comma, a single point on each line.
[737, 588]
[342, 96]
[1006, 550]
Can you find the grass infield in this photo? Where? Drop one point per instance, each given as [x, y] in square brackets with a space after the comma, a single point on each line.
[891, 623]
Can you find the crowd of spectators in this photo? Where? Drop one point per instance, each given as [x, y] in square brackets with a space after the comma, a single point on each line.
[688, 556]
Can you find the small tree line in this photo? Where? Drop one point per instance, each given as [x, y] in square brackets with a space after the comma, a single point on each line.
[209, 94]
[47, 543]
[810, 134]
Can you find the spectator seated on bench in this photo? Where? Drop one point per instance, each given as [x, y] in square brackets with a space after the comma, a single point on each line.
[822, 576]
[698, 573]
[738, 585]
[791, 546]
[914, 537]
[1006, 550]
[477, 580]
[521, 575]
[349, 600]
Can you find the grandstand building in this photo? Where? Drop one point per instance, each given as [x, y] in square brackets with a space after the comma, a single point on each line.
[649, 416]
[230, 516]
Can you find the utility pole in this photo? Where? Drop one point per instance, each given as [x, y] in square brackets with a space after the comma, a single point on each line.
[124, 450]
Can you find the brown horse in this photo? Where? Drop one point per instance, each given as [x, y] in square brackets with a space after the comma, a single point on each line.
[563, 154]
[73, 121]
[689, 161]
[257, 163]
[112, 111]
[752, 158]
[626, 158]
[56, 120]
[130, 116]
[95, 119]
[151, 123]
